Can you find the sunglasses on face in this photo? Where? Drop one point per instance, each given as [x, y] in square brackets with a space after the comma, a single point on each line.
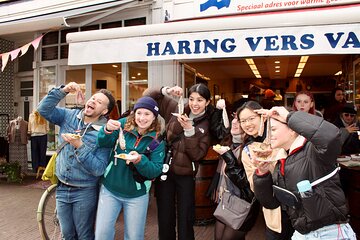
[349, 115]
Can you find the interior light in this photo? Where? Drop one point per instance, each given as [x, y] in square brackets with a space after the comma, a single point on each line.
[299, 71]
[250, 61]
[338, 73]
[301, 65]
[277, 66]
[304, 59]
[114, 66]
[253, 67]
[277, 62]
[133, 77]
[138, 74]
[277, 71]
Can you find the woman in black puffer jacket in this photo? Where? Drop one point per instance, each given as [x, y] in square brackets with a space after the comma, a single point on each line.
[311, 146]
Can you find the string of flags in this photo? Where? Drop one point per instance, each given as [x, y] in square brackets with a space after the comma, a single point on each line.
[15, 53]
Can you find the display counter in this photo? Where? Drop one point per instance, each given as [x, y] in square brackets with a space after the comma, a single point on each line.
[350, 180]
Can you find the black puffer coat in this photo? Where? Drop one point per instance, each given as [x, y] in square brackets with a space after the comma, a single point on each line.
[312, 156]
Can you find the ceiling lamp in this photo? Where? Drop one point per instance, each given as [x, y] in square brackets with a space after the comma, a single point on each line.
[301, 66]
[253, 67]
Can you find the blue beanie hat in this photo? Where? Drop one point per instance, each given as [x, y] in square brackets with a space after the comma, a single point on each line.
[148, 103]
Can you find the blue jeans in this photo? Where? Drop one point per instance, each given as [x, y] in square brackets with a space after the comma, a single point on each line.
[331, 232]
[76, 208]
[109, 207]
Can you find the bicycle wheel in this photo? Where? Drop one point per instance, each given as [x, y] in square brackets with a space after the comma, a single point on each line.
[46, 215]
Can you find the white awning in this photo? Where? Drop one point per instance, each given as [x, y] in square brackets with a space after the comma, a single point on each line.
[43, 15]
[324, 31]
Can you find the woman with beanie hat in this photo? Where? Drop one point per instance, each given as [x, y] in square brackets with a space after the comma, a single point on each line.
[137, 151]
[188, 135]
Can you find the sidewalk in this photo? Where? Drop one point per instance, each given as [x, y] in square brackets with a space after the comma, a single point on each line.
[18, 205]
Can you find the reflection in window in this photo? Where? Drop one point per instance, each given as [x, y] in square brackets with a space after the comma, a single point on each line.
[46, 83]
[72, 100]
[137, 81]
[47, 80]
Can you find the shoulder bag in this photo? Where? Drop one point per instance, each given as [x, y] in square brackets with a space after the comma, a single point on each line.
[232, 210]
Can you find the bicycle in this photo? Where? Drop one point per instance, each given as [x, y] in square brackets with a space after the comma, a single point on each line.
[48, 222]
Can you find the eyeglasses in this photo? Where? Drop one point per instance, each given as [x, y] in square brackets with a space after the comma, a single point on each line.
[349, 115]
[250, 119]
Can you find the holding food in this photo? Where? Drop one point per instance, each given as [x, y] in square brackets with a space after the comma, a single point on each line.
[73, 135]
[262, 151]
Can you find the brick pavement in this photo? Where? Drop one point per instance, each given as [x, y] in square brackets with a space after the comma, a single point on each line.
[18, 205]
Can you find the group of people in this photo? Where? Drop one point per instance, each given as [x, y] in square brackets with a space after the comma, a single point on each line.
[110, 165]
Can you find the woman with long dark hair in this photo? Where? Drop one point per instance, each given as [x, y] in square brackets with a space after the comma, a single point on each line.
[188, 137]
[278, 225]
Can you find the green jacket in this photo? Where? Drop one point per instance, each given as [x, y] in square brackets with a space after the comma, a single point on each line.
[118, 177]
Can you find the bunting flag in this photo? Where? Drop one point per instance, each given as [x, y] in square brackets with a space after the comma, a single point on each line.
[4, 60]
[15, 53]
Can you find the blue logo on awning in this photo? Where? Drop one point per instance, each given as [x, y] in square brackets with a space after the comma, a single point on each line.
[214, 3]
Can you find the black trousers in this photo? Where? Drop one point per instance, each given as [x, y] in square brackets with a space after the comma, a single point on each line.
[286, 229]
[38, 151]
[176, 197]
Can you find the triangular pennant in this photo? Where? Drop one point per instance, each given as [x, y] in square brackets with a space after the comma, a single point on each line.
[36, 42]
[4, 59]
[14, 53]
[24, 49]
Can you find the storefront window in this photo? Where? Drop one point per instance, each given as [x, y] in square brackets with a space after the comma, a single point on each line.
[73, 100]
[137, 81]
[47, 82]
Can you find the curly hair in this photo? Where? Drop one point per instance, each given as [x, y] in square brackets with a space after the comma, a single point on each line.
[131, 124]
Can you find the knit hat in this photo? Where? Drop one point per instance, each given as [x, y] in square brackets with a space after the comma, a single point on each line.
[148, 103]
[269, 93]
[349, 108]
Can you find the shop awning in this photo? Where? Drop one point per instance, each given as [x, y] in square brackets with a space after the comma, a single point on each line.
[324, 31]
[15, 18]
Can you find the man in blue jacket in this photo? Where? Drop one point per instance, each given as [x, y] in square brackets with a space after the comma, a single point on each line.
[81, 162]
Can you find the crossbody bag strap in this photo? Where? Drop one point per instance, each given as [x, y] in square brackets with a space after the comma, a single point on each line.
[326, 177]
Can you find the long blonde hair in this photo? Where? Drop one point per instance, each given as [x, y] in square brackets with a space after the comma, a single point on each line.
[39, 120]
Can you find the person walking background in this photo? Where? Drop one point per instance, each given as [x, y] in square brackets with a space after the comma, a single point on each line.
[121, 190]
[189, 138]
[81, 162]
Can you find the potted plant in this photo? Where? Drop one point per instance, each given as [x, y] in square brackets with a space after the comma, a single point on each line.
[12, 171]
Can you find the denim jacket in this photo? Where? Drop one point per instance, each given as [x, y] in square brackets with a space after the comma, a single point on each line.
[80, 167]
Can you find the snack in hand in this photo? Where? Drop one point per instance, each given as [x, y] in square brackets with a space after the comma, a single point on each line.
[126, 156]
[262, 151]
[217, 147]
[73, 135]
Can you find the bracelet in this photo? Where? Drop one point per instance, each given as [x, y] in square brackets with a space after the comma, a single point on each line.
[107, 131]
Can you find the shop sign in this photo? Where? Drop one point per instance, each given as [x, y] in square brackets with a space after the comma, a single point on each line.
[330, 39]
[221, 7]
